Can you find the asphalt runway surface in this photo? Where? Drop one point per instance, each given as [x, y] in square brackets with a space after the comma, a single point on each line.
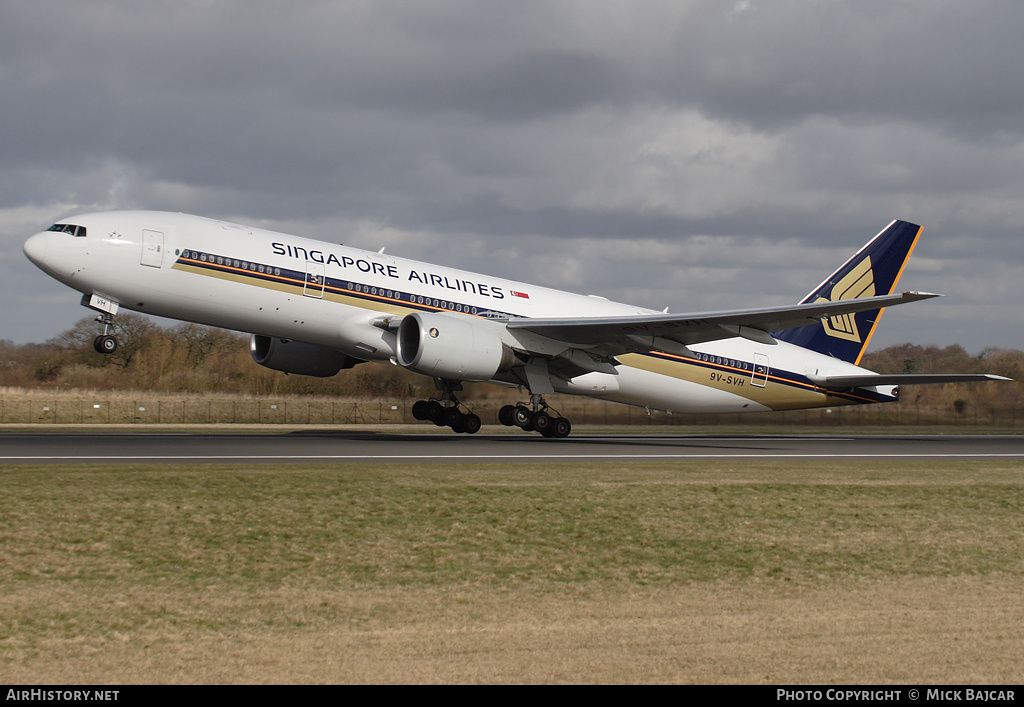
[388, 447]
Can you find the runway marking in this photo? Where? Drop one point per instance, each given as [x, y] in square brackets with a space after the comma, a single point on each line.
[505, 457]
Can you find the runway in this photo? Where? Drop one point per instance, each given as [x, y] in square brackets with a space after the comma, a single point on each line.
[320, 447]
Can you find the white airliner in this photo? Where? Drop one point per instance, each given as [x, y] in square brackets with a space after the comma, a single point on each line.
[315, 308]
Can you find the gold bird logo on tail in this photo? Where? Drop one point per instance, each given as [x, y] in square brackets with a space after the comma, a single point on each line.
[860, 282]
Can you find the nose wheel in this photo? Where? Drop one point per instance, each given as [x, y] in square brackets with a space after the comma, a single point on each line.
[105, 343]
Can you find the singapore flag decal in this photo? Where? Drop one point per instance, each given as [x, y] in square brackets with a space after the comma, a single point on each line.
[521, 295]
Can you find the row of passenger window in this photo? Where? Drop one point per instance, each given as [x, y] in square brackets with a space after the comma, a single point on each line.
[352, 286]
[416, 299]
[220, 260]
[732, 363]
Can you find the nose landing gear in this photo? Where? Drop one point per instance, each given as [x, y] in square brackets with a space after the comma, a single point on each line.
[105, 343]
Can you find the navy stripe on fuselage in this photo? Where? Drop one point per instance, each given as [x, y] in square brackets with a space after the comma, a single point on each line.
[262, 273]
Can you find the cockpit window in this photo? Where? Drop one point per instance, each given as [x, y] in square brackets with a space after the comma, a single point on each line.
[76, 231]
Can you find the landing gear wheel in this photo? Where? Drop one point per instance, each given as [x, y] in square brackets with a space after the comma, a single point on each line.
[522, 416]
[506, 415]
[458, 423]
[560, 428]
[105, 344]
[543, 423]
[471, 424]
[435, 413]
[419, 410]
[452, 417]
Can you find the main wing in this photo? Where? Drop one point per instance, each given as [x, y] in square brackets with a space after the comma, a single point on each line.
[674, 333]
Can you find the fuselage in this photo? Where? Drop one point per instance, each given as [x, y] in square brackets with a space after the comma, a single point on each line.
[272, 284]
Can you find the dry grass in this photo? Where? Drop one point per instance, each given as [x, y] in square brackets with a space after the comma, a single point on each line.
[911, 630]
[693, 572]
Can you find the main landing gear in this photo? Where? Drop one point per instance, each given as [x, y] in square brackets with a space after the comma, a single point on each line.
[533, 416]
[105, 343]
[446, 415]
[538, 418]
[445, 412]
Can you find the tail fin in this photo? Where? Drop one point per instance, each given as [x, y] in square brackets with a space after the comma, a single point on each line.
[874, 270]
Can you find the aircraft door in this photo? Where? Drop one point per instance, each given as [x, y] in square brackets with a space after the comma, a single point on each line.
[314, 286]
[152, 248]
[760, 376]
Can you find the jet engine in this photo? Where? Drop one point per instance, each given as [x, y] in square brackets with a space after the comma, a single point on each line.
[298, 357]
[451, 347]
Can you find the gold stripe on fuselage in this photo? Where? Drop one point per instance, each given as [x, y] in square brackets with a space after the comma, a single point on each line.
[293, 286]
[778, 393]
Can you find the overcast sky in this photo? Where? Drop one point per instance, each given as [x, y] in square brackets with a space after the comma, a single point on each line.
[697, 155]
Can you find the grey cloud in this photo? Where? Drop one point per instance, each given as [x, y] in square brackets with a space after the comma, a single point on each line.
[531, 139]
[946, 63]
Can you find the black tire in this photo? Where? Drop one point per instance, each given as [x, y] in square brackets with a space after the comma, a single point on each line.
[471, 424]
[419, 410]
[561, 428]
[105, 344]
[506, 415]
[542, 422]
[522, 416]
[435, 413]
[458, 423]
[452, 416]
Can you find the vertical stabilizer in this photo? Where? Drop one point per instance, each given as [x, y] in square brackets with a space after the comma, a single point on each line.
[874, 270]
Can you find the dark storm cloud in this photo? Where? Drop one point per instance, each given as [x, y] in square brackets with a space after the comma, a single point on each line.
[949, 63]
[695, 154]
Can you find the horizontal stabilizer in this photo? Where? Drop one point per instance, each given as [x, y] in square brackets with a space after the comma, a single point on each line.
[871, 380]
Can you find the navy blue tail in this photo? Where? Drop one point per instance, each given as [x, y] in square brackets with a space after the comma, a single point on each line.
[874, 270]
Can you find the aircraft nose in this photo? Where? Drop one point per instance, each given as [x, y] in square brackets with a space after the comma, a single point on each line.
[35, 247]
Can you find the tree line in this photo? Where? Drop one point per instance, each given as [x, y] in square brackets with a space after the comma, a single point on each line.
[184, 358]
[190, 358]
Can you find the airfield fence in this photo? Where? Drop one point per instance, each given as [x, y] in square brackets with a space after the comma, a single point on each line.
[168, 410]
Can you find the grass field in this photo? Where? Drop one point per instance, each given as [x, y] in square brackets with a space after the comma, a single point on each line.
[773, 572]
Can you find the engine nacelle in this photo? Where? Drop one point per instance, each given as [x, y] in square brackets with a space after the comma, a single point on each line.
[298, 357]
[451, 347]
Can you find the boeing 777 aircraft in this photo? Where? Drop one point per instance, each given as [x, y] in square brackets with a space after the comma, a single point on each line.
[314, 308]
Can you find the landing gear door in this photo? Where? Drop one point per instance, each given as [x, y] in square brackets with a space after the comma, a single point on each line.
[760, 377]
[152, 248]
[314, 280]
